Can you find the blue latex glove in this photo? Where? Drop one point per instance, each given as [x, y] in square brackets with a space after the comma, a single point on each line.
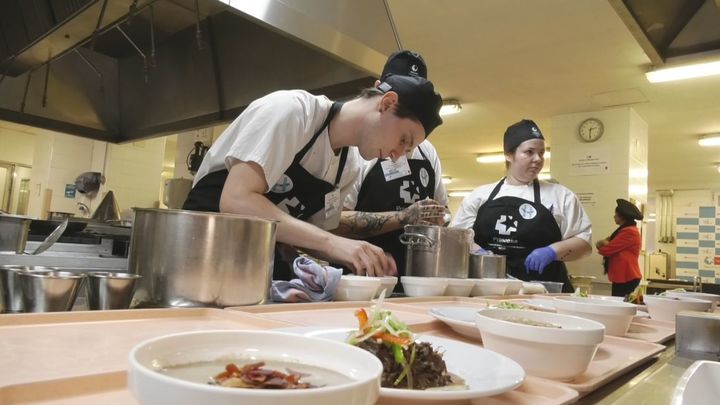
[539, 258]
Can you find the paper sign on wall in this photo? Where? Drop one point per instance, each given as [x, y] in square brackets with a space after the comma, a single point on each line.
[589, 162]
[588, 199]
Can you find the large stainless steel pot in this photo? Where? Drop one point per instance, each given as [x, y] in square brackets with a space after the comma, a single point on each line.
[13, 233]
[190, 259]
[435, 251]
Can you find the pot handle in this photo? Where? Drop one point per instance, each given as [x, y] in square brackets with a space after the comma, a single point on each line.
[416, 239]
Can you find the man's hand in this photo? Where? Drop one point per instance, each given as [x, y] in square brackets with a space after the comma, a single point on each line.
[423, 212]
[363, 258]
[539, 258]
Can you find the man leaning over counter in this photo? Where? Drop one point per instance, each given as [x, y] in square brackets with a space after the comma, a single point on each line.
[310, 149]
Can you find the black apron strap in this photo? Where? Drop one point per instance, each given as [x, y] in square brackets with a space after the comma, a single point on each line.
[536, 191]
[496, 190]
[336, 106]
[422, 153]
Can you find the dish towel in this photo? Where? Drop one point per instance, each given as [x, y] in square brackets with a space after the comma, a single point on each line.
[314, 283]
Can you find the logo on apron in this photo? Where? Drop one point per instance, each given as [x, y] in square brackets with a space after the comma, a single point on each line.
[527, 211]
[505, 225]
[292, 207]
[424, 177]
[409, 191]
[283, 185]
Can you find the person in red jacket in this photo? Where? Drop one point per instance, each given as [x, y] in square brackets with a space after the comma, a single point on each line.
[621, 250]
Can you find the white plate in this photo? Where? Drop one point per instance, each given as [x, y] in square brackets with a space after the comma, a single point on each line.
[460, 319]
[485, 372]
[698, 385]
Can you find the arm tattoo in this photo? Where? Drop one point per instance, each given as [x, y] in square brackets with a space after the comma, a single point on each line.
[364, 224]
[566, 255]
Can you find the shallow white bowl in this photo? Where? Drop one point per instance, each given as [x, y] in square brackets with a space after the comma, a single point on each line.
[150, 387]
[615, 315]
[489, 286]
[665, 308]
[387, 283]
[544, 352]
[357, 288]
[459, 287]
[714, 298]
[698, 385]
[423, 286]
[513, 287]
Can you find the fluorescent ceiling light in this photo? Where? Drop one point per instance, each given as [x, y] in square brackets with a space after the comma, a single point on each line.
[450, 106]
[459, 193]
[498, 157]
[709, 140]
[717, 166]
[683, 72]
[446, 179]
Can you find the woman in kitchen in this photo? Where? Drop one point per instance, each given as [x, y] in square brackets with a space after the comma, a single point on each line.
[621, 250]
[292, 157]
[388, 195]
[537, 225]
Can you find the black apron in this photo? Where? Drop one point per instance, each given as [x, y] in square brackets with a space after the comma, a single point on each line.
[378, 195]
[514, 227]
[298, 192]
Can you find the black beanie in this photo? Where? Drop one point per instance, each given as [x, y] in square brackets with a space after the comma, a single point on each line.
[417, 95]
[404, 63]
[520, 132]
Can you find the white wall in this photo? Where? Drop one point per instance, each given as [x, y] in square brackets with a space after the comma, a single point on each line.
[17, 146]
[624, 145]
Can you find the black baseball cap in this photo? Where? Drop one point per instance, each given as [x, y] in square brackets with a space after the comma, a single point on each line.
[628, 210]
[404, 63]
[520, 132]
[417, 95]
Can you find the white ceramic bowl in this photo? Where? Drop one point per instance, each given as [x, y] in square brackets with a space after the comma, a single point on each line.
[714, 298]
[664, 308]
[151, 387]
[559, 354]
[387, 283]
[513, 287]
[489, 286]
[423, 286]
[357, 288]
[459, 287]
[615, 315]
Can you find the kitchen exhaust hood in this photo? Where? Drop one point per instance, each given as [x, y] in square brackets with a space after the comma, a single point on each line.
[121, 70]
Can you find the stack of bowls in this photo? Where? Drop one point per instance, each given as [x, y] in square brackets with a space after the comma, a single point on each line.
[714, 298]
[357, 288]
[49, 290]
[10, 290]
[424, 286]
[109, 290]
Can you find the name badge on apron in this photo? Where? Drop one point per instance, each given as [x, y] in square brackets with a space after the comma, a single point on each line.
[397, 169]
[332, 203]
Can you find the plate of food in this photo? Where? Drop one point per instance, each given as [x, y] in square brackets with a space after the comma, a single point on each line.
[462, 319]
[424, 367]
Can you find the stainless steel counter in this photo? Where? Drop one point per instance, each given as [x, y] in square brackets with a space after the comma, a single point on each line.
[70, 256]
[650, 383]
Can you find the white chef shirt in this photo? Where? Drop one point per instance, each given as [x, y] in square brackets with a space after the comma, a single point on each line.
[558, 199]
[271, 131]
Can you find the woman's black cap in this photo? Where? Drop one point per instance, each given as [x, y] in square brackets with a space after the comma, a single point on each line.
[628, 210]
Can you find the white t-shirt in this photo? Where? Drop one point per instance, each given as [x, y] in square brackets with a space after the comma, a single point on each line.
[559, 200]
[271, 131]
[431, 154]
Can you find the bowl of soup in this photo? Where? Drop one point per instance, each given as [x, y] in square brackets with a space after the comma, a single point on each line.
[229, 367]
